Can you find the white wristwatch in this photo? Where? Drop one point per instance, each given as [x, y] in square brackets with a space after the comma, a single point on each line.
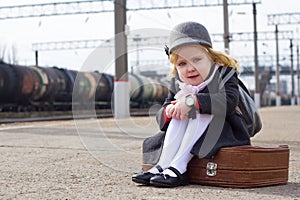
[190, 100]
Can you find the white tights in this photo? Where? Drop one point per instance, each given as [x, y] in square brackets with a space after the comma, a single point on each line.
[180, 138]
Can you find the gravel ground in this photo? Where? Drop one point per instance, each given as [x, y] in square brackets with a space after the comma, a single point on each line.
[95, 159]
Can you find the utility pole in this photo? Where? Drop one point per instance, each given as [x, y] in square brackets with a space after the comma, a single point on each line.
[36, 58]
[121, 86]
[256, 72]
[226, 26]
[292, 74]
[278, 96]
[285, 19]
[298, 76]
[137, 39]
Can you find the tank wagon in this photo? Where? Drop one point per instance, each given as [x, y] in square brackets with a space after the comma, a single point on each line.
[34, 88]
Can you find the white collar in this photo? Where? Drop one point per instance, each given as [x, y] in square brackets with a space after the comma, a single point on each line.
[187, 89]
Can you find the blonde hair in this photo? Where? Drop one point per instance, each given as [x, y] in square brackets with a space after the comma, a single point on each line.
[218, 57]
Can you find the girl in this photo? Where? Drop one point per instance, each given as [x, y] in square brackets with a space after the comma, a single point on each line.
[198, 116]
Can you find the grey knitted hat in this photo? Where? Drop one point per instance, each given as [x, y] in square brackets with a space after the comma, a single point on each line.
[188, 33]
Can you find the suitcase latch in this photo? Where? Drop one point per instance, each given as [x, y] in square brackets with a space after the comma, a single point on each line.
[211, 169]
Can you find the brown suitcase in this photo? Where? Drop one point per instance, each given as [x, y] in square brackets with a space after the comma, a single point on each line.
[242, 167]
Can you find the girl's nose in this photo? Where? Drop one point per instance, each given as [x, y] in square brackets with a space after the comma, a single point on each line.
[190, 67]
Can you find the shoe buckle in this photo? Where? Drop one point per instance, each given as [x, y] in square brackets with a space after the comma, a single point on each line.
[165, 176]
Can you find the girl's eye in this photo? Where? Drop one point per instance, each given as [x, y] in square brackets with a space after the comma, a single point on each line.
[195, 60]
[181, 64]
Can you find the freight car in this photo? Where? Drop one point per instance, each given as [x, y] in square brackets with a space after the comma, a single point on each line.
[34, 88]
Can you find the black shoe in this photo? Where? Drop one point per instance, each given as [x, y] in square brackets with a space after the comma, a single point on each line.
[165, 180]
[144, 177]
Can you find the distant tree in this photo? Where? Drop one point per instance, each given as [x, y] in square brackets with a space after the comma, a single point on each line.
[2, 52]
[14, 54]
[9, 55]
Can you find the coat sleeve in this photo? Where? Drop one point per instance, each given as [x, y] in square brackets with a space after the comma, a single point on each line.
[216, 100]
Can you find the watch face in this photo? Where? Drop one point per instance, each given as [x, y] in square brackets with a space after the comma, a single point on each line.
[189, 101]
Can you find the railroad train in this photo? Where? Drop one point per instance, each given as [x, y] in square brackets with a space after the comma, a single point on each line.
[35, 88]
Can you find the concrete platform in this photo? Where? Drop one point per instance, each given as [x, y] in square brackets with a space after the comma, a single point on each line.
[95, 158]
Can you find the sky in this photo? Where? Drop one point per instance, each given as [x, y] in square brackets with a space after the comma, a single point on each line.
[22, 33]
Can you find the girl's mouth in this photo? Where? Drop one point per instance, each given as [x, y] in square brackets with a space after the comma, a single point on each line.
[194, 76]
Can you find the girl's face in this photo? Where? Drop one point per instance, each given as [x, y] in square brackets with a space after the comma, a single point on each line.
[193, 64]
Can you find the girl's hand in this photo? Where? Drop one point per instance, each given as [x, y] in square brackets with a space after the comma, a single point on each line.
[168, 110]
[178, 109]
